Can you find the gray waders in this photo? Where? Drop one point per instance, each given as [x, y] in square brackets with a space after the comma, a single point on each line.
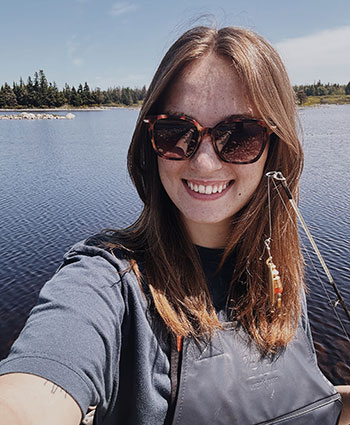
[227, 382]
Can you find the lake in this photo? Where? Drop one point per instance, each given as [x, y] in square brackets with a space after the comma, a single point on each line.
[64, 180]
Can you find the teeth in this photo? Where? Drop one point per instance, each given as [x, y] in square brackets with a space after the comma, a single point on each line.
[208, 190]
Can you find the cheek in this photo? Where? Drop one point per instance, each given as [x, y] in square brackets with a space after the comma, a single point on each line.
[169, 173]
[250, 175]
[162, 170]
[259, 166]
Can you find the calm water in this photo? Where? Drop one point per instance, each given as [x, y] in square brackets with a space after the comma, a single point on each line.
[62, 181]
[325, 203]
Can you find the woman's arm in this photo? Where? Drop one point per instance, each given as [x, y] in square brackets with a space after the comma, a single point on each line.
[344, 391]
[72, 338]
[31, 400]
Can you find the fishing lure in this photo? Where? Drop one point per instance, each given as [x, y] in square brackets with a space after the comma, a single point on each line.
[274, 280]
[275, 284]
[278, 177]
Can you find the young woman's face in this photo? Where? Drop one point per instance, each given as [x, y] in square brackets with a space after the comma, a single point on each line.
[209, 91]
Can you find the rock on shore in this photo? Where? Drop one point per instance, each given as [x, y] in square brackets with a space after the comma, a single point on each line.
[36, 116]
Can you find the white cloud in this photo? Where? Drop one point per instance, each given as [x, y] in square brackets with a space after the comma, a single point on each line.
[121, 8]
[78, 61]
[323, 56]
[73, 50]
[72, 46]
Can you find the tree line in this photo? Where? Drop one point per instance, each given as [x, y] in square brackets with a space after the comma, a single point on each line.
[319, 89]
[37, 92]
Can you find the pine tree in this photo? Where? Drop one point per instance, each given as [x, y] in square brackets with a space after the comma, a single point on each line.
[116, 95]
[43, 90]
[66, 93]
[347, 88]
[143, 92]
[2, 97]
[98, 96]
[86, 95]
[58, 95]
[21, 92]
[126, 97]
[8, 97]
[75, 98]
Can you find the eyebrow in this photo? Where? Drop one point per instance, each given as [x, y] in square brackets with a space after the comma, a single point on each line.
[176, 113]
[182, 114]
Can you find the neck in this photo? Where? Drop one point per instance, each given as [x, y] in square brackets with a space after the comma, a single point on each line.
[213, 235]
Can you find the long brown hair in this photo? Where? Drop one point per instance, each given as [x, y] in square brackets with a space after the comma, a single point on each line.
[170, 261]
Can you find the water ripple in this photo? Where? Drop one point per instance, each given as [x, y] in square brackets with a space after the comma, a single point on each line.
[65, 180]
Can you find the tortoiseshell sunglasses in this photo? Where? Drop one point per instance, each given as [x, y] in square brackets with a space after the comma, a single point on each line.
[237, 140]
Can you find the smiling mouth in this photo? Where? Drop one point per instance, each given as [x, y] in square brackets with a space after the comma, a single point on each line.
[208, 189]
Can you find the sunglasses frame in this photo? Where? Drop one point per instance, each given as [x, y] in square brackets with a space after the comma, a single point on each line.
[203, 131]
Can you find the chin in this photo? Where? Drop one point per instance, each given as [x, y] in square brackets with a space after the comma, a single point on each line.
[215, 220]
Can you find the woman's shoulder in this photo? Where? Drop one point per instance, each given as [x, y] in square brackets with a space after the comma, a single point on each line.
[99, 248]
[94, 264]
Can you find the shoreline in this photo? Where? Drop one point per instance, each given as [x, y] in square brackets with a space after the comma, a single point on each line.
[312, 101]
[92, 108]
[36, 116]
[325, 100]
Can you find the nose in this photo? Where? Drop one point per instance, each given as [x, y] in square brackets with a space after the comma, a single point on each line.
[205, 158]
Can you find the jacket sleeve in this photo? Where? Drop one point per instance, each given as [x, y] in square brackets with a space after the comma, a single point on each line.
[73, 335]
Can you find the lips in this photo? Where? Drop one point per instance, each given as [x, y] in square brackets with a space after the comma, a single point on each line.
[207, 188]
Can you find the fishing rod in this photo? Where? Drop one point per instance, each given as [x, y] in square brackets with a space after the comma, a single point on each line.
[277, 175]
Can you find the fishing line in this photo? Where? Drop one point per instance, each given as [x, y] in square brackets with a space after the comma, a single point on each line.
[315, 269]
[278, 176]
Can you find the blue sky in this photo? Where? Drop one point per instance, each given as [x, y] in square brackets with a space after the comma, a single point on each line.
[109, 43]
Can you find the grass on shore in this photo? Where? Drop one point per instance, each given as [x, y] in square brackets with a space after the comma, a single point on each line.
[327, 100]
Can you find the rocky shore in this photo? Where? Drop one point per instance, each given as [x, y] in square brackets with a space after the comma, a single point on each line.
[37, 116]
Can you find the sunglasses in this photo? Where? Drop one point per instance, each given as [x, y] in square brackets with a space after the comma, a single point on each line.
[237, 140]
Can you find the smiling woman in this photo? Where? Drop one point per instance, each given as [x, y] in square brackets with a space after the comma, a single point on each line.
[207, 191]
[194, 314]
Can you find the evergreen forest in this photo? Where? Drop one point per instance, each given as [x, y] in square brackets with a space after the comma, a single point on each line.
[37, 92]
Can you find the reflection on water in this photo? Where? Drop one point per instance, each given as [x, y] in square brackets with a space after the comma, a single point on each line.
[64, 180]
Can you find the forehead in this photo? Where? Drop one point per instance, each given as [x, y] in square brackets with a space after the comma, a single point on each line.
[208, 90]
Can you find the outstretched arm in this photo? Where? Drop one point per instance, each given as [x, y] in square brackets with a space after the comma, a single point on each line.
[31, 400]
[344, 391]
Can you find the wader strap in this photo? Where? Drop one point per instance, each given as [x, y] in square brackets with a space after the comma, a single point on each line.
[175, 372]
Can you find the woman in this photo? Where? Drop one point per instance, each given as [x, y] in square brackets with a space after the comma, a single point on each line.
[174, 319]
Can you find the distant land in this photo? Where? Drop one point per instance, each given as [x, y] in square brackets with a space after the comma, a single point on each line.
[318, 93]
[38, 93]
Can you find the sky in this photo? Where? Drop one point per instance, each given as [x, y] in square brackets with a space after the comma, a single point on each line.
[110, 43]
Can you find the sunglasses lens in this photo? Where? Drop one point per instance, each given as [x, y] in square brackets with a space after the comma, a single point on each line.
[175, 138]
[239, 142]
